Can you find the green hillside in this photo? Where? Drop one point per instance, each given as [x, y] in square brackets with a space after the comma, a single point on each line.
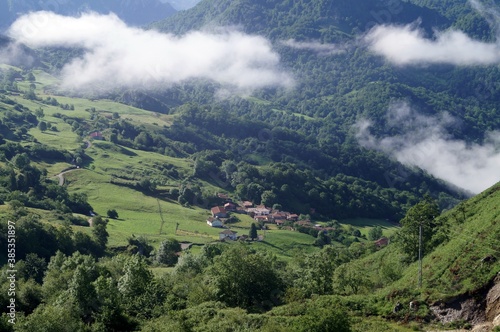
[320, 20]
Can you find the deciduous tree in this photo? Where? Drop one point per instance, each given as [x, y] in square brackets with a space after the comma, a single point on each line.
[423, 215]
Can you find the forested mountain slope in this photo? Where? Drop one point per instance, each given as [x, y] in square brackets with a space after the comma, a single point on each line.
[319, 20]
[340, 79]
[136, 12]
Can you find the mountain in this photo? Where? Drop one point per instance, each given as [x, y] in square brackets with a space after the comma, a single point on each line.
[134, 12]
[343, 81]
[182, 4]
[318, 20]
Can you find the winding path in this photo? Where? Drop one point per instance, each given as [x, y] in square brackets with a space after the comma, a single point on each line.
[60, 176]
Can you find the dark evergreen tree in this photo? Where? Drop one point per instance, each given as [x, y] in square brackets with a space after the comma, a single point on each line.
[253, 232]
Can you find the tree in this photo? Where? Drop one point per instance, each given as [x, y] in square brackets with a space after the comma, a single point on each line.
[315, 273]
[422, 215]
[55, 317]
[112, 214]
[375, 233]
[268, 198]
[146, 184]
[322, 239]
[253, 232]
[21, 161]
[110, 315]
[81, 293]
[244, 278]
[30, 94]
[349, 279]
[99, 231]
[42, 126]
[31, 77]
[167, 252]
[143, 140]
[136, 278]
[323, 320]
[32, 267]
[139, 245]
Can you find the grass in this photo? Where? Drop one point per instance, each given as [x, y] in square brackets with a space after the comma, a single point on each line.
[286, 244]
[109, 156]
[138, 213]
[305, 117]
[365, 224]
[454, 268]
[64, 139]
[268, 103]
[376, 324]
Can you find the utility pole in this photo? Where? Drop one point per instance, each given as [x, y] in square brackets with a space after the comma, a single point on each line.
[420, 255]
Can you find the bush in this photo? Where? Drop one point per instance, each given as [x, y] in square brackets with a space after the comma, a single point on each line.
[323, 320]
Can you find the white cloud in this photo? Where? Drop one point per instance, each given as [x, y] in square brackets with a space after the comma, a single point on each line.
[13, 54]
[315, 46]
[424, 142]
[407, 45]
[120, 56]
[490, 12]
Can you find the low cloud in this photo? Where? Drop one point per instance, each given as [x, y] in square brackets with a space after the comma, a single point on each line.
[116, 55]
[490, 12]
[320, 48]
[15, 55]
[407, 46]
[424, 141]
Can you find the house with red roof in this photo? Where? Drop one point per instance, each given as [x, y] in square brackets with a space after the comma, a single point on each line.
[382, 242]
[219, 212]
[97, 135]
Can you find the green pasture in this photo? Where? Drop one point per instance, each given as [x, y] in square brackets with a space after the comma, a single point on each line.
[107, 156]
[285, 244]
[365, 224]
[63, 139]
[102, 106]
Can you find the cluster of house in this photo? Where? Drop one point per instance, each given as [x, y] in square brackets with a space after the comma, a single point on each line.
[260, 213]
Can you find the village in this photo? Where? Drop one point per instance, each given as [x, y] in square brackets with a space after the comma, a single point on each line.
[221, 217]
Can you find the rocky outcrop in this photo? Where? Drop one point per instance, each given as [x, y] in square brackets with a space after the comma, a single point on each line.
[493, 301]
[481, 309]
[463, 308]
